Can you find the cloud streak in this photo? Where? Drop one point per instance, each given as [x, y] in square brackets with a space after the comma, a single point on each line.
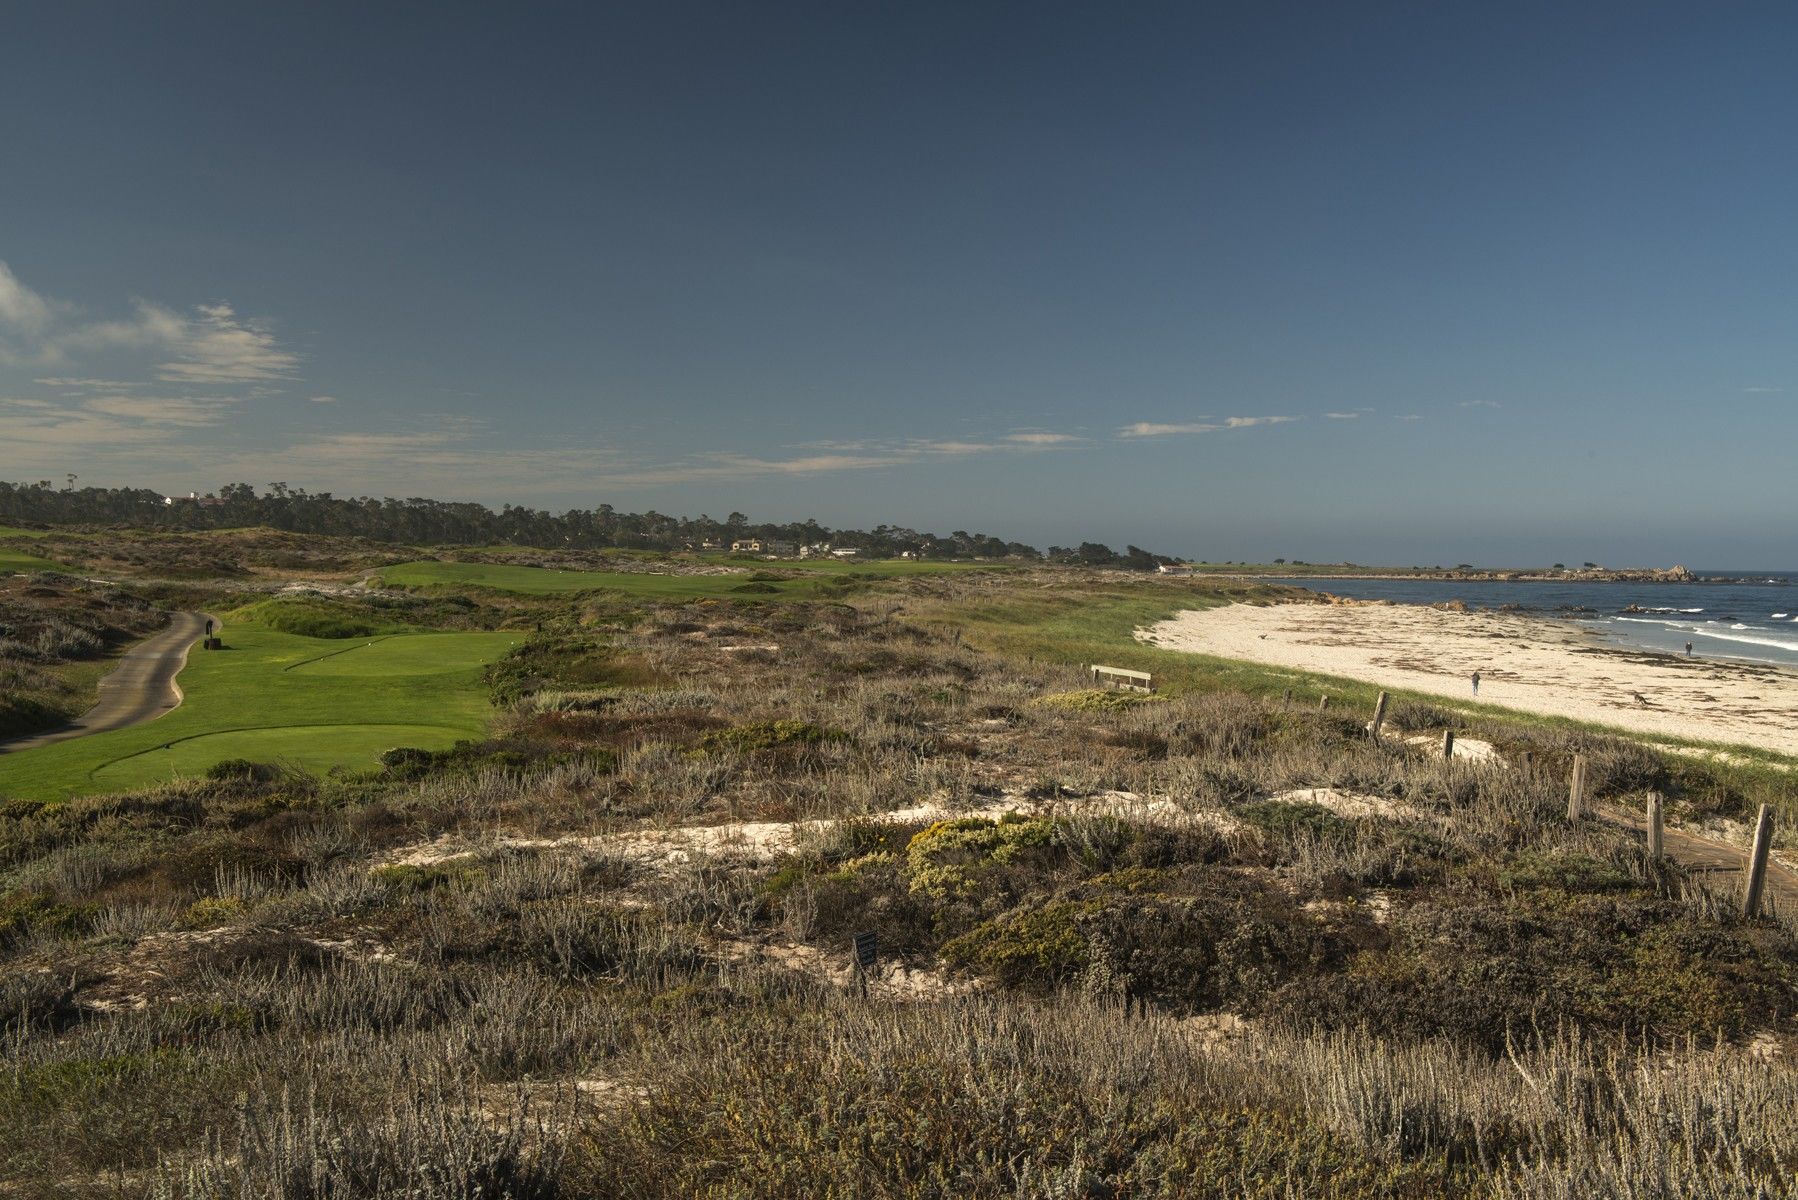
[1040, 438]
[211, 345]
[1152, 429]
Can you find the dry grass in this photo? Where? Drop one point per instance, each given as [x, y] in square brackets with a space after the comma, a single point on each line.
[490, 977]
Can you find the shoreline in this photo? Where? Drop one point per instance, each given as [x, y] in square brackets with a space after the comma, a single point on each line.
[1530, 663]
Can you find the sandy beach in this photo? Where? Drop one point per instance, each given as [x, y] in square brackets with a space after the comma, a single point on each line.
[1524, 663]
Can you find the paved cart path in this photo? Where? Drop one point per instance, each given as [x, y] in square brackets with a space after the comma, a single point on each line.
[141, 688]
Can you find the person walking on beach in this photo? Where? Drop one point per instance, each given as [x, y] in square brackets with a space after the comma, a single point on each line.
[1688, 649]
[1476, 683]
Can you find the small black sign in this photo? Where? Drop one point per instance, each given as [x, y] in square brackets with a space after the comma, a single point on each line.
[867, 950]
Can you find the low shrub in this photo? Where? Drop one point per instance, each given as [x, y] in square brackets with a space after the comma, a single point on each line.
[242, 770]
[767, 735]
[1095, 700]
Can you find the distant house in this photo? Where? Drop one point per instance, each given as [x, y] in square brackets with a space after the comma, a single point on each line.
[193, 498]
[1175, 569]
[747, 546]
[815, 550]
[711, 544]
[783, 549]
[844, 552]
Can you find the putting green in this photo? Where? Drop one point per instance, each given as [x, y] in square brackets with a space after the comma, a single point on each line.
[407, 654]
[278, 697]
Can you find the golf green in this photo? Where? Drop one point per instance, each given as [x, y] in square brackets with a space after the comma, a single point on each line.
[311, 703]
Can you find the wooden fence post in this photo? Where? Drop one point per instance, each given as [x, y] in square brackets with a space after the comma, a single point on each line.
[1379, 718]
[1655, 828]
[864, 957]
[1323, 702]
[1576, 788]
[1448, 745]
[1287, 702]
[1757, 863]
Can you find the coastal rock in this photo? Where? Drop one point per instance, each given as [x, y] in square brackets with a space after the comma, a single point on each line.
[1457, 606]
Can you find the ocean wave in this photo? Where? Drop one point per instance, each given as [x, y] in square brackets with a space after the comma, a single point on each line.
[1779, 616]
[1686, 626]
[1776, 643]
[1711, 630]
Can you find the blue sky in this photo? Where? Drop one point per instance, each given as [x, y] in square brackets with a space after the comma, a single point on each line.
[1399, 283]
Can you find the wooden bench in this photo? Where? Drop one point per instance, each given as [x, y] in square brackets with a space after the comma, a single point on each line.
[1123, 678]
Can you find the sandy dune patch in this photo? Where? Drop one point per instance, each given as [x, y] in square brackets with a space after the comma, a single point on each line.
[1352, 805]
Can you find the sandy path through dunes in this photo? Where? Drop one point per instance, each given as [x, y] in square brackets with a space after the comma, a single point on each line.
[1524, 663]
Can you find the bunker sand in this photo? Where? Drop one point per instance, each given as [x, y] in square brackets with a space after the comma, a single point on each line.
[1528, 664]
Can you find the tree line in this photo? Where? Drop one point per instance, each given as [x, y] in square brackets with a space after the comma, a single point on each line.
[418, 521]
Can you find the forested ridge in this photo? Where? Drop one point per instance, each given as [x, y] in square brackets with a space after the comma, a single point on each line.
[421, 521]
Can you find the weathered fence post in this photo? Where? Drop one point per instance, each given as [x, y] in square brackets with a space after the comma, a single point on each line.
[865, 948]
[1448, 745]
[1379, 718]
[1655, 848]
[1576, 788]
[1757, 863]
[1287, 702]
[1323, 702]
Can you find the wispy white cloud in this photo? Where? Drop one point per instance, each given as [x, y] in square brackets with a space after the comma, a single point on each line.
[1152, 429]
[1033, 437]
[188, 411]
[1343, 416]
[1762, 391]
[1408, 417]
[63, 381]
[210, 345]
[22, 308]
[29, 428]
[220, 347]
[457, 454]
[953, 447]
[322, 399]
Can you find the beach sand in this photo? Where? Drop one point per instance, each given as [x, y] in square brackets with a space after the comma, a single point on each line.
[1526, 663]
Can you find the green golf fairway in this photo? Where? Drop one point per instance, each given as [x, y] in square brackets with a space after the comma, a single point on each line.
[315, 748]
[546, 581]
[13, 559]
[277, 697]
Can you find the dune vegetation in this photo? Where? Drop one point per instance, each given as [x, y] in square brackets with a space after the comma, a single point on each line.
[598, 942]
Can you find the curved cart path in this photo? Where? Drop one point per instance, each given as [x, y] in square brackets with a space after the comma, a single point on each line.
[141, 688]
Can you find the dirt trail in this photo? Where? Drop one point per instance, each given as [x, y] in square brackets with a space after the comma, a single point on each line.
[141, 688]
[1725, 862]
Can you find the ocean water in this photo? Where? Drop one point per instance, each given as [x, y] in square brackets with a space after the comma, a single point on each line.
[1756, 622]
